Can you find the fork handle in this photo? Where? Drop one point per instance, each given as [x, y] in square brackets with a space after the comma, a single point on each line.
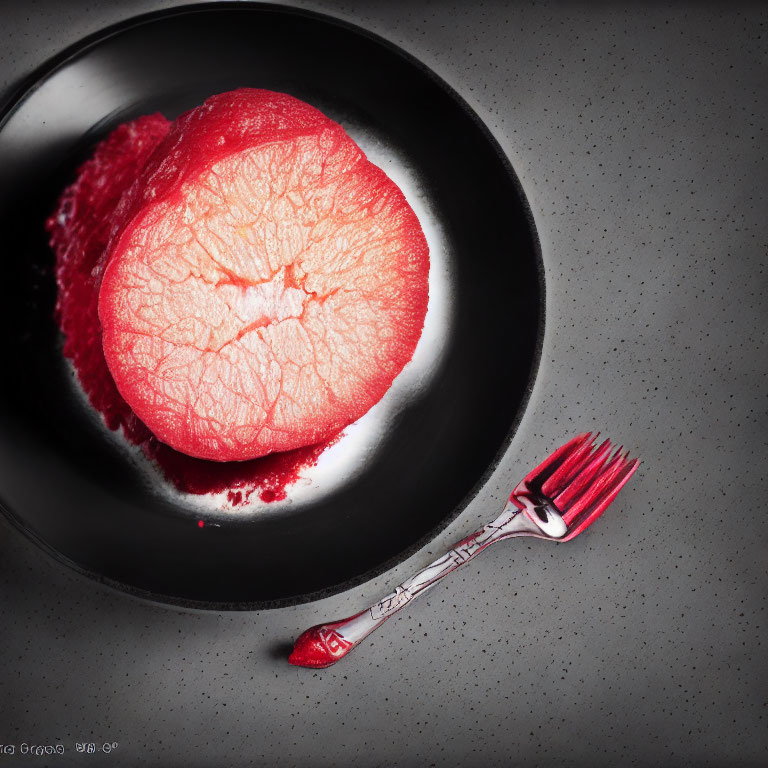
[324, 644]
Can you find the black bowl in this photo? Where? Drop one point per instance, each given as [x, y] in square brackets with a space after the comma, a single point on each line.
[66, 481]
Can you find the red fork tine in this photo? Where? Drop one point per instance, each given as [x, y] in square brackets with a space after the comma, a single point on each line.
[569, 469]
[598, 499]
[592, 491]
[580, 479]
[562, 456]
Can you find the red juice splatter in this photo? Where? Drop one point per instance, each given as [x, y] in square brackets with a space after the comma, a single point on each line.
[88, 215]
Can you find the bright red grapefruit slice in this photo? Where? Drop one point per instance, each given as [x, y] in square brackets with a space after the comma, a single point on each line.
[266, 284]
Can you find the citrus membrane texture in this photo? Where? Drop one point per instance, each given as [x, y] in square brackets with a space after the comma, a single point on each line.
[263, 283]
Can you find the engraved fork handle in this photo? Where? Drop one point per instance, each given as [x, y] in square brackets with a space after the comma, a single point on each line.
[325, 644]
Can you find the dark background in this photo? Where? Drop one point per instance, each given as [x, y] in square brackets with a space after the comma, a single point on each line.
[639, 136]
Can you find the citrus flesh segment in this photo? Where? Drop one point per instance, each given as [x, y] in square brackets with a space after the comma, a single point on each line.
[267, 284]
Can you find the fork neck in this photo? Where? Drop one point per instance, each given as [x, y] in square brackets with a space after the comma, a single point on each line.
[532, 516]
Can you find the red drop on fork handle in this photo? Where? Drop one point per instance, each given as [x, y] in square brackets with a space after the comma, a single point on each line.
[319, 647]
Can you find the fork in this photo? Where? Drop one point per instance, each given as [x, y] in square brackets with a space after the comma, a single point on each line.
[558, 500]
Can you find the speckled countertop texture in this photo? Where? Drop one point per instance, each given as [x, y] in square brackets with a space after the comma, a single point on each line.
[639, 135]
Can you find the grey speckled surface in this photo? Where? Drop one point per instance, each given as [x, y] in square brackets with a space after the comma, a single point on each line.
[639, 134]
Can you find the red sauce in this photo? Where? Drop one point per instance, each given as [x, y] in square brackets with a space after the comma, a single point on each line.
[87, 216]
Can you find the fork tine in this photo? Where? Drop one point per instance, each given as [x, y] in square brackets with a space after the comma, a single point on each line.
[555, 460]
[591, 493]
[582, 481]
[583, 517]
[608, 493]
[602, 503]
[570, 468]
